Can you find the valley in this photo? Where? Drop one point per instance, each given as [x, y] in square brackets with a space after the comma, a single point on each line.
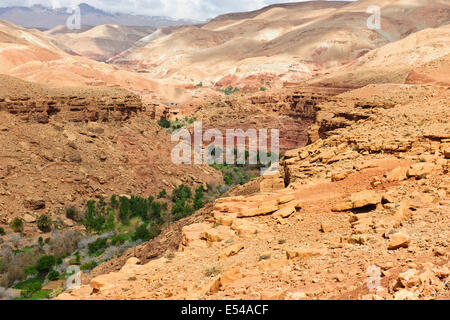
[90, 192]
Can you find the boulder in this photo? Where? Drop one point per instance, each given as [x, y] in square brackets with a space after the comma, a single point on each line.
[231, 251]
[420, 170]
[365, 198]
[398, 174]
[34, 203]
[28, 218]
[399, 240]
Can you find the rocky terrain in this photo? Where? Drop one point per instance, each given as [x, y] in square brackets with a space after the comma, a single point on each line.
[370, 194]
[359, 208]
[62, 147]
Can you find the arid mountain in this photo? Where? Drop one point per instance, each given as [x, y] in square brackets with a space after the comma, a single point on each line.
[43, 18]
[31, 55]
[294, 42]
[363, 181]
[99, 43]
[422, 54]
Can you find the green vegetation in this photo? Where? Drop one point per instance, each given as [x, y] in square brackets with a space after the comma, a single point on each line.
[53, 275]
[2, 231]
[97, 247]
[120, 222]
[17, 225]
[199, 85]
[263, 89]
[88, 266]
[240, 174]
[212, 271]
[176, 124]
[72, 213]
[44, 223]
[45, 264]
[229, 90]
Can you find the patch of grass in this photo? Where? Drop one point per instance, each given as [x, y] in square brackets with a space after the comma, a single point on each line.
[212, 271]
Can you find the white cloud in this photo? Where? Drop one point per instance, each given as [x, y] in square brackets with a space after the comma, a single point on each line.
[187, 9]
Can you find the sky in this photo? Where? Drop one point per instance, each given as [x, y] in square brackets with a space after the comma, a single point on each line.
[179, 9]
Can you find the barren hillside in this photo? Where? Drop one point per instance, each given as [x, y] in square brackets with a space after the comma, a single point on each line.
[101, 42]
[31, 55]
[294, 42]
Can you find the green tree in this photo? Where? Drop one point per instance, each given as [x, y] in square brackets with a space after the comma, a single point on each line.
[53, 275]
[46, 264]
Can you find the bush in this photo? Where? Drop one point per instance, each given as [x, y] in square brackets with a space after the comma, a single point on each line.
[182, 192]
[46, 264]
[141, 233]
[162, 194]
[88, 266]
[17, 225]
[53, 275]
[164, 123]
[44, 223]
[2, 232]
[97, 246]
[72, 213]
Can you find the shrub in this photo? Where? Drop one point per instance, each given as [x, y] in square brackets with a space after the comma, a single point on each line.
[162, 194]
[262, 89]
[120, 239]
[212, 271]
[46, 264]
[97, 246]
[29, 271]
[182, 192]
[141, 233]
[17, 225]
[72, 213]
[88, 266]
[154, 231]
[44, 223]
[53, 275]
[164, 123]
[2, 231]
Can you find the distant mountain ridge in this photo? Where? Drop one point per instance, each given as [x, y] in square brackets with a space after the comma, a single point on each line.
[44, 18]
